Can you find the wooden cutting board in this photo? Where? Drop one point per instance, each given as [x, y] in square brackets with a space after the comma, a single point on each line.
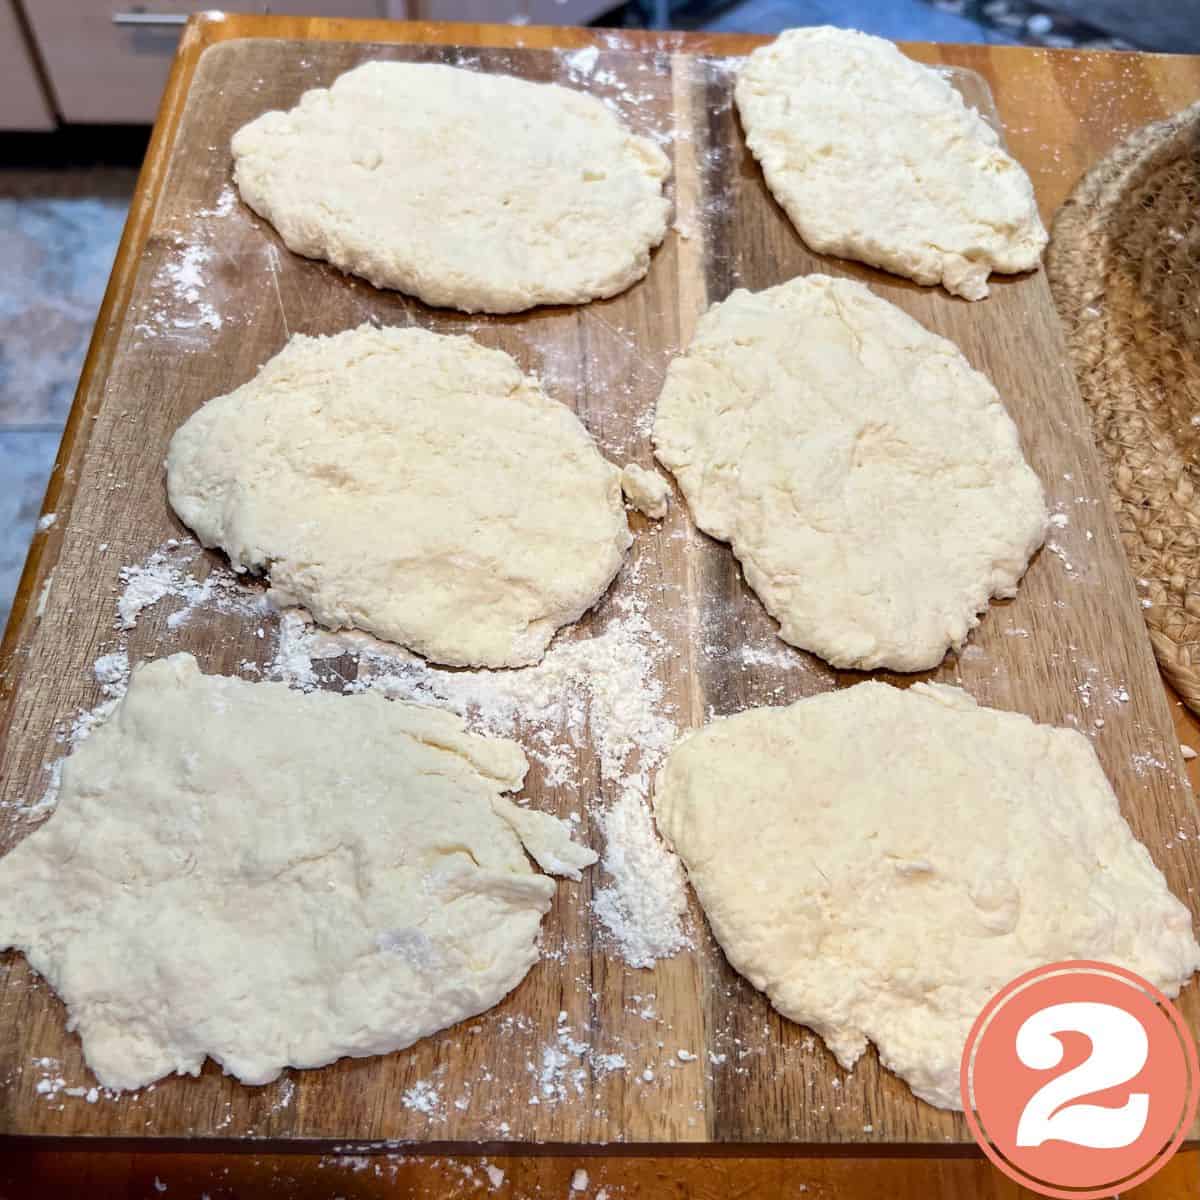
[1070, 649]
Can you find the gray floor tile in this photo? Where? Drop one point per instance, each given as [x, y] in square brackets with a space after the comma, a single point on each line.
[57, 251]
[25, 461]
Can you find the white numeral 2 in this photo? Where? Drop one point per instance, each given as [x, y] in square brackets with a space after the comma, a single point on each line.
[1119, 1049]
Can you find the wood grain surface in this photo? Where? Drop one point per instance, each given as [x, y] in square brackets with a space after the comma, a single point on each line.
[1083, 624]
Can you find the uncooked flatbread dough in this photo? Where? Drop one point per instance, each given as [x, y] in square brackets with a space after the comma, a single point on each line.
[473, 191]
[274, 878]
[875, 157]
[546, 838]
[869, 480]
[647, 492]
[880, 862]
[412, 485]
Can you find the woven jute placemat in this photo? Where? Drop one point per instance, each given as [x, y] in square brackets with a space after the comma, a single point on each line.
[1124, 267]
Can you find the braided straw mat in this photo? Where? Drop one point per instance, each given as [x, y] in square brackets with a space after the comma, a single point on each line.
[1124, 267]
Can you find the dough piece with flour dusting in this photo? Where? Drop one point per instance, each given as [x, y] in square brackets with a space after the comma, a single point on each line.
[468, 190]
[649, 493]
[869, 480]
[273, 878]
[415, 486]
[546, 838]
[886, 893]
[875, 157]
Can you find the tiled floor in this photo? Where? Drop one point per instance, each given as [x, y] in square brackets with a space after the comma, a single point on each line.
[58, 233]
[26, 457]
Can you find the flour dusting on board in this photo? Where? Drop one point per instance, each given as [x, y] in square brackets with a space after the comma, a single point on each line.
[629, 93]
[181, 304]
[166, 574]
[181, 283]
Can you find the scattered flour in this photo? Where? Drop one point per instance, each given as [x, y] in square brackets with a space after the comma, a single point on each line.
[183, 276]
[287, 1091]
[424, 1097]
[579, 1181]
[52, 1085]
[181, 303]
[603, 686]
[643, 908]
[112, 672]
[145, 585]
[778, 655]
[603, 1063]
[166, 574]
[582, 62]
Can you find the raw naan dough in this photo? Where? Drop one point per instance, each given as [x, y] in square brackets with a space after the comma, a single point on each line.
[875, 157]
[649, 493]
[412, 485]
[273, 878]
[880, 862]
[869, 480]
[474, 191]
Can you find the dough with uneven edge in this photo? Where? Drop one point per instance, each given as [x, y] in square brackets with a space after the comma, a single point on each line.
[876, 157]
[869, 480]
[415, 486]
[467, 190]
[273, 878]
[881, 862]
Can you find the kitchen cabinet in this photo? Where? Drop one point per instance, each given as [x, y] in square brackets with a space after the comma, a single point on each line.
[108, 61]
[518, 12]
[23, 102]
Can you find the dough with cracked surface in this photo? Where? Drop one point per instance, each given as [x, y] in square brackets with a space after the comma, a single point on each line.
[876, 157]
[869, 480]
[273, 878]
[467, 190]
[893, 858]
[415, 486]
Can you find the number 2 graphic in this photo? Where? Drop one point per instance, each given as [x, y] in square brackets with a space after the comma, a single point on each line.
[1119, 1050]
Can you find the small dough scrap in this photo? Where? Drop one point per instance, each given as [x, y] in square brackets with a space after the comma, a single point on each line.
[412, 485]
[881, 862]
[273, 878]
[547, 838]
[647, 491]
[467, 190]
[869, 480]
[876, 157]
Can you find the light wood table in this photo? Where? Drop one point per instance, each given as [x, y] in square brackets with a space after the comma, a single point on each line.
[1062, 111]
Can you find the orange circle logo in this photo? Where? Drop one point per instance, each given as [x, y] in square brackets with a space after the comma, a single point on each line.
[1079, 1079]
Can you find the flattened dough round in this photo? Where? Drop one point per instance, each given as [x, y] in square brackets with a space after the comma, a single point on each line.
[274, 878]
[875, 157]
[412, 485]
[869, 480]
[892, 858]
[472, 191]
